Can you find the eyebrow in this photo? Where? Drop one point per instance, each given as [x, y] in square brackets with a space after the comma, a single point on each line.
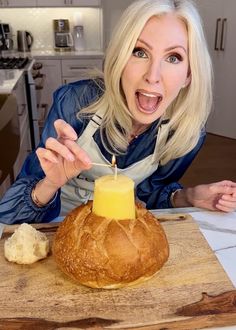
[167, 49]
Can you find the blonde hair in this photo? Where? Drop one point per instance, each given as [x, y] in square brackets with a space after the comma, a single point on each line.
[188, 112]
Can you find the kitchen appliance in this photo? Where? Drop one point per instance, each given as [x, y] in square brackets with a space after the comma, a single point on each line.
[62, 37]
[9, 63]
[78, 36]
[24, 41]
[6, 41]
[2, 38]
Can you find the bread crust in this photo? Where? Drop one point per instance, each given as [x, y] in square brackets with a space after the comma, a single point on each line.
[107, 253]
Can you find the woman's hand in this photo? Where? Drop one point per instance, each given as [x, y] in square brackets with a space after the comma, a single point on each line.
[219, 196]
[62, 158]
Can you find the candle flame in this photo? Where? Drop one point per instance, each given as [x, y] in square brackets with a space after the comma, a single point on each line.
[113, 161]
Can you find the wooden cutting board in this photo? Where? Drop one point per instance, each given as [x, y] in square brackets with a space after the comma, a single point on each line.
[191, 291]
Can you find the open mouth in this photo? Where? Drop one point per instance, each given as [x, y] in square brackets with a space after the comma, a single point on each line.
[148, 102]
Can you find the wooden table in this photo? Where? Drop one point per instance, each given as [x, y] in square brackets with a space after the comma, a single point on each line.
[191, 291]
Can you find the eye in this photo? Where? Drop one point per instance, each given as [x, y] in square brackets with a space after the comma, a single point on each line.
[175, 58]
[139, 52]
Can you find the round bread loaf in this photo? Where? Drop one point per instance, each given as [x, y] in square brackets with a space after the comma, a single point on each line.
[107, 253]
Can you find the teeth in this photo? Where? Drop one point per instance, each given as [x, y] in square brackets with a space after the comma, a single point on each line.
[148, 95]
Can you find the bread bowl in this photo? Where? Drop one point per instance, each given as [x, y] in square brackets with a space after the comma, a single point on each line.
[107, 253]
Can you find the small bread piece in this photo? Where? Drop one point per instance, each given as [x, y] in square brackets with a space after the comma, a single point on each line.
[26, 245]
[109, 253]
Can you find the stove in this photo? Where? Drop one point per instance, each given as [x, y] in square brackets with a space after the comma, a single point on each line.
[8, 63]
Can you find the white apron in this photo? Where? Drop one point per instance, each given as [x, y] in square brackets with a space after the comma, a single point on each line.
[79, 190]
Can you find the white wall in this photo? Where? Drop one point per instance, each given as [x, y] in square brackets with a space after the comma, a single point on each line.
[38, 21]
[112, 11]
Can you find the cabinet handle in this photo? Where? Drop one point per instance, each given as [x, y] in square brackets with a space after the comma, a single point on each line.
[39, 83]
[217, 30]
[23, 108]
[79, 68]
[222, 34]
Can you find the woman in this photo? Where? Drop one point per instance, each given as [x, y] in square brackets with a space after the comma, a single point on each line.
[150, 111]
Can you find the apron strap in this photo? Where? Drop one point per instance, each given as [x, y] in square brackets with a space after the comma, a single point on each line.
[162, 135]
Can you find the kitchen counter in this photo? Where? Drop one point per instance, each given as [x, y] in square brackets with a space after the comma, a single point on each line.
[8, 80]
[219, 229]
[52, 54]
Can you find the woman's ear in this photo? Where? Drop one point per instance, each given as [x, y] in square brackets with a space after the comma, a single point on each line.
[187, 81]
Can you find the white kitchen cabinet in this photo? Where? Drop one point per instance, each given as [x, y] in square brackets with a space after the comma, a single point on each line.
[24, 149]
[62, 71]
[73, 70]
[69, 3]
[219, 19]
[51, 70]
[18, 3]
[50, 3]
[23, 119]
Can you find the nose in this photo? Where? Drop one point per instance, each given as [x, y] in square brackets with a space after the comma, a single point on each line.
[153, 73]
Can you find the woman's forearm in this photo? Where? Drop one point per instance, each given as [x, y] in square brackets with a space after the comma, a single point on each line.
[181, 198]
[43, 192]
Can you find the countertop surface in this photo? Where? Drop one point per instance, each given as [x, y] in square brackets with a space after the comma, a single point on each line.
[52, 54]
[219, 229]
[8, 80]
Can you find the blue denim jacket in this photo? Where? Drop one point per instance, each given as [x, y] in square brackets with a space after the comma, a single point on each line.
[17, 206]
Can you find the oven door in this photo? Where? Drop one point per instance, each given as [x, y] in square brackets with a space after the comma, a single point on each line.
[9, 139]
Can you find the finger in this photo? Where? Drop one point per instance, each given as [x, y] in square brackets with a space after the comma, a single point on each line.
[46, 155]
[228, 204]
[78, 152]
[228, 183]
[220, 207]
[230, 197]
[222, 189]
[60, 148]
[64, 130]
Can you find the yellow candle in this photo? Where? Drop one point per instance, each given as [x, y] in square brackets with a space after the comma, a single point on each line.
[114, 197]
